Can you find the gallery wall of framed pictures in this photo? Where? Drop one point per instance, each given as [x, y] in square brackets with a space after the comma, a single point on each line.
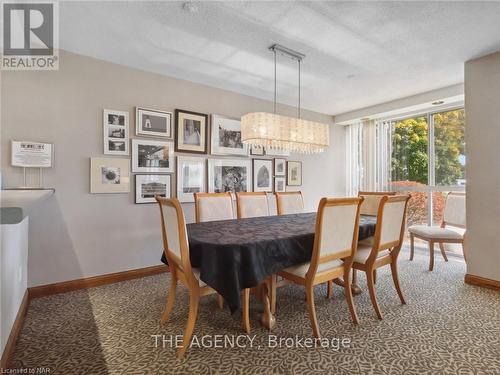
[225, 163]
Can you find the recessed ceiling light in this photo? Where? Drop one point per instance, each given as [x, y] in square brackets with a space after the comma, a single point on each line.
[438, 102]
[190, 7]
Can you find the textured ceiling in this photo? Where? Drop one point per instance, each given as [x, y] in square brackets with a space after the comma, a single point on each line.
[358, 54]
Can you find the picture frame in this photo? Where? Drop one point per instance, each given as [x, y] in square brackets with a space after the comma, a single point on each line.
[257, 150]
[109, 175]
[280, 167]
[271, 151]
[279, 184]
[115, 132]
[153, 123]
[226, 137]
[263, 175]
[147, 186]
[152, 156]
[294, 173]
[233, 175]
[191, 132]
[191, 177]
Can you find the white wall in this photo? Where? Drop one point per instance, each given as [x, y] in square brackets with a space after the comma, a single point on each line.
[482, 137]
[75, 234]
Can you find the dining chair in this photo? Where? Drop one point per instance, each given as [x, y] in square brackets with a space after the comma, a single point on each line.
[386, 245]
[454, 216]
[176, 248]
[290, 202]
[372, 201]
[335, 241]
[251, 205]
[213, 206]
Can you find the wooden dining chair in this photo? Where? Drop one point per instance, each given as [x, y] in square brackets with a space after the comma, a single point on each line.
[454, 216]
[335, 241]
[251, 205]
[176, 248]
[213, 206]
[290, 202]
[372, 201]
[389, 232]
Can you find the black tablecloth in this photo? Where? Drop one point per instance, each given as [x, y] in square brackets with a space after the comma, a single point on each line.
[237, 254]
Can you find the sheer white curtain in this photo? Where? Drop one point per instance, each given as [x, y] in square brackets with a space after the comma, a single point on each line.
[353, 158]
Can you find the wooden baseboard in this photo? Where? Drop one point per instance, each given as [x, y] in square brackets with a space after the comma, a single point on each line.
[481, 281]
[14, 333]
[90, 282]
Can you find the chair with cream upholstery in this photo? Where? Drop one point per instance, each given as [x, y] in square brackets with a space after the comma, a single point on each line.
[454, 216]
[387, 242]
[372, 201]
[290, 202]
[335, 241]
[213, 206]
[251, 205]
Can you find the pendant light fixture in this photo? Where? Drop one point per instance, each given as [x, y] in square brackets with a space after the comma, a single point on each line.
[282, 132]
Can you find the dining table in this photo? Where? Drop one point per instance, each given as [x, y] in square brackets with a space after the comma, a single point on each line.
[233, 255]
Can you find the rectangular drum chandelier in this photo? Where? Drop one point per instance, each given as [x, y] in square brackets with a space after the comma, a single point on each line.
[282, 132]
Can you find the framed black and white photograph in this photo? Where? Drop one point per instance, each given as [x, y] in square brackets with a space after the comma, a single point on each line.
[152, 156]
[190, 177]
[191, 132]
[273, 151]
[115, 127]
[226, 137]
[263, 175]
[152, 122]
[231, 175]
[109, 175]
[279, 167]
[294, 173]
[279, 184]
[147, 186]
[257, 150]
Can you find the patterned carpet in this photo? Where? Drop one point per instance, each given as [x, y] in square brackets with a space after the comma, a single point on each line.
[446, 328]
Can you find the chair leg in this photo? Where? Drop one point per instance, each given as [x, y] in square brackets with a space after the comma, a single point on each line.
[272, 293]
[395, 278]
[246, 310]
[170, 300]
[431, 254]
[373, 296]
[194, 300]
[348, 296]
[220, 301]
[312, 310]
[354, 277]
[412, 246]
[441, 247]
[375, 276]
[463, 251]
[329, 289]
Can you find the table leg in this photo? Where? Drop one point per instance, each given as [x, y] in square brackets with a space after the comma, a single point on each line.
[354, 287]
[268, 320]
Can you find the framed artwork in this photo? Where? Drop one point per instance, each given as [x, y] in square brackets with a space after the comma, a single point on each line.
[257, 150]
[279, 167]
[279, 184]
[109, 175]
[190, 177]
[231, 175]
[294, 173]
[271, 151]
[226, 137]
[115, 127]
[152, 156]
[263, 175]
[152, 122]
[191, 132]
[147, 186]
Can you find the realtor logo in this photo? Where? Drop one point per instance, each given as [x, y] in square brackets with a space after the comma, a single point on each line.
[30, 36]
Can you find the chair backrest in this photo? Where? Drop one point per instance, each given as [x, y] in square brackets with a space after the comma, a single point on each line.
[372, 201]
[337, 227]
[175, 240]
[252, 204]
[290, 202]
[454, 210]
[391, 220]
[213, 206]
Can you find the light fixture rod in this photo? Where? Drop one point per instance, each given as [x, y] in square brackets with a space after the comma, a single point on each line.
[285, 51]
[298, 108]
[274, 81]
